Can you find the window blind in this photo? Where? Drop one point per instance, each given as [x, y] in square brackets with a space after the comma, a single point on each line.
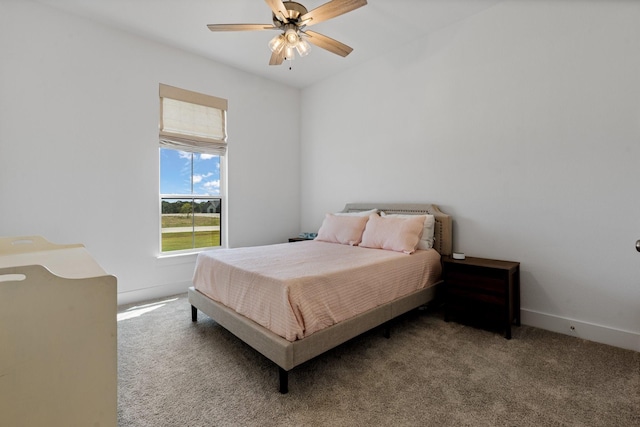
[191, 121]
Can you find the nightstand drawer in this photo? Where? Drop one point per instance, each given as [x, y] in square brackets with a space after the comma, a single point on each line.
[478, 280]
[465, 292]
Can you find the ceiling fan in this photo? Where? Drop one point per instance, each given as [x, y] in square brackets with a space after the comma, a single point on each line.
[292, 18]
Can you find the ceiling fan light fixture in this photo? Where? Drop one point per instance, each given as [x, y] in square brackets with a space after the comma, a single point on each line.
[289, 53]
[303, 47]
[292, 36]
[277, 43]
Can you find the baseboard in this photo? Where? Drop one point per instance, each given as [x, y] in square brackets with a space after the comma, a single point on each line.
[588, 331]
[153, 292]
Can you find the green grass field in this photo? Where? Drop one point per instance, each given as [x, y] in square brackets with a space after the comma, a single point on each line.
[180, 240]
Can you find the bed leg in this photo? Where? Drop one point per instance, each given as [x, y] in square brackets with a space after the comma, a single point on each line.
[194, 314]
[284, 380]
[386, 331]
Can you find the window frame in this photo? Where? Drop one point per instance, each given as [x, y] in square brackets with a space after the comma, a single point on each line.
[195, 144]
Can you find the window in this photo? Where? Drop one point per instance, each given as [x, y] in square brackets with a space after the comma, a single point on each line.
[192, 159]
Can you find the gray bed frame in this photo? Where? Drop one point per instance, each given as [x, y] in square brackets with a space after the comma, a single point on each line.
[289, 354]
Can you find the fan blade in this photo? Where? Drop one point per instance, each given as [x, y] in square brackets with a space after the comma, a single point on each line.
[277, 58]
[331, 10]
[240, 27]
[328, 43]
[279, 10]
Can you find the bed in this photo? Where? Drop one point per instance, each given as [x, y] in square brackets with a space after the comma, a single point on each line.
[289, 348]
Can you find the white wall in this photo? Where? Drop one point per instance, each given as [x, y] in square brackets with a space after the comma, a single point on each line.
[79, 145]
[523, 122]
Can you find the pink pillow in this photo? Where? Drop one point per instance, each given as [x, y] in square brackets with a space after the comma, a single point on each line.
[393, 233]
[346, 230]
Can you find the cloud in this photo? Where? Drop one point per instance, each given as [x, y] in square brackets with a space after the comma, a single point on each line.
[212, 187]
[198, 178]
[205, 156]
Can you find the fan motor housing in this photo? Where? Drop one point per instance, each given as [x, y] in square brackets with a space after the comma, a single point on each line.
[295, 10]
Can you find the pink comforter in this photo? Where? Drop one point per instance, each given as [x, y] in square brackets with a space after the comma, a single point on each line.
[296, 289]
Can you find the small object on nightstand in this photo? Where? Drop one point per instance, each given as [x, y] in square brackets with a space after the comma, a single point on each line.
[308, 236]
[303, 236]
[457, 255]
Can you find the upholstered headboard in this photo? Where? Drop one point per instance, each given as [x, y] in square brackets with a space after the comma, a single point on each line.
[443, 231]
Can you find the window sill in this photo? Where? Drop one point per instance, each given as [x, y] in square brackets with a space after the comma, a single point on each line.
[183, 255]
[177, 256]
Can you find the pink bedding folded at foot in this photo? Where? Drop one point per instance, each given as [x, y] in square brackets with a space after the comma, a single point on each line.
[296, 289]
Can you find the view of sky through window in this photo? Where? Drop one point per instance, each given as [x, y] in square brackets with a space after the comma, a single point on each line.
[176, 173]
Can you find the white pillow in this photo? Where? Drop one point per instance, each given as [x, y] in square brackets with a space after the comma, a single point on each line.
[426, 241]
[363, 213]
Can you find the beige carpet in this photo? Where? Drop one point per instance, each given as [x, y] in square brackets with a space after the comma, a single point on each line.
[173, 372]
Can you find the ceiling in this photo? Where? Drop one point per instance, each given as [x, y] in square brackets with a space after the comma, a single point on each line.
[374, 29]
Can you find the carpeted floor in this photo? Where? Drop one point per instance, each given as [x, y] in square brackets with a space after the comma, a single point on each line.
[173, 372]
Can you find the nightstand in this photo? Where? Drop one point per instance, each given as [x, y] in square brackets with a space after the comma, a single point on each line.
[481, 289]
